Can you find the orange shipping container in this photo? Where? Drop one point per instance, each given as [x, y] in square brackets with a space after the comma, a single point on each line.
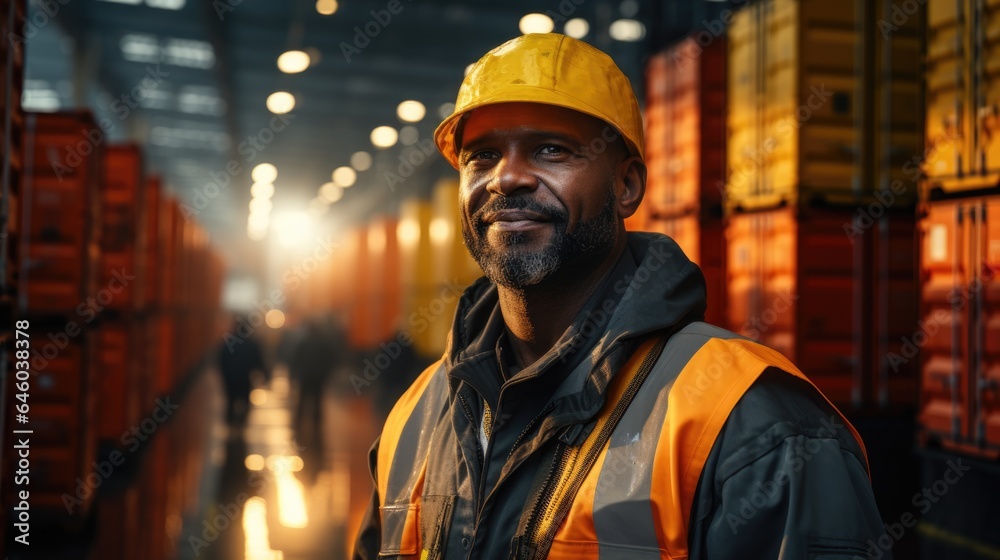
[686, 128]
[124, 233]
[835, 296]
[960, 330]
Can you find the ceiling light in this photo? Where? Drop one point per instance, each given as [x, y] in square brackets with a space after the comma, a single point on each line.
[411, 111]
[627, 30]
[536, 23]
[576, 28]
[293, 62]
[274, 319]
[280, 102]
[258, 221]
[264, 173]
[260, 206]
[262, 190]
[384, 137]
[361, 161]
[344, 176]
[326, 7]
[331, 192]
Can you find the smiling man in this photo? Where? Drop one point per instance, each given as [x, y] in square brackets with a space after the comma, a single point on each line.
[582, 409]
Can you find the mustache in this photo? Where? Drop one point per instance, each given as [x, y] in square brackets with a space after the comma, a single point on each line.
[498, 203]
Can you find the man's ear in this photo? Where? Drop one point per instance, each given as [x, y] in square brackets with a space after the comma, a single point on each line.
[630, 185]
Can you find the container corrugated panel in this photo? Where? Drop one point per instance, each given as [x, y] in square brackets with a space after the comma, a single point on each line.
[963, 95]
[123, 235]
[685, 128]
[119, 388]
[804, 121]
[702, 240]
[797, 283]
[60, 212]
[961, 318]
[152, 271]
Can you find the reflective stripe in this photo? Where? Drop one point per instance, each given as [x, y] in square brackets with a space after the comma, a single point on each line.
[414, 440]
[622, 508]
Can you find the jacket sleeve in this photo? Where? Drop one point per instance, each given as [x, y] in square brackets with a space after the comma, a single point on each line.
[787, 482]
[370, 533]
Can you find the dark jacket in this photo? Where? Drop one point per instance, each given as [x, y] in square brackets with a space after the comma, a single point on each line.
[827, 507]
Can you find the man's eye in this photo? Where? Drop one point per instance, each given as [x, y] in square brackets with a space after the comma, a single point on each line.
[483, 155]
[552, 150]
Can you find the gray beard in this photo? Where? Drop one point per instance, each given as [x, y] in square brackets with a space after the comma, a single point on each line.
[513, 267]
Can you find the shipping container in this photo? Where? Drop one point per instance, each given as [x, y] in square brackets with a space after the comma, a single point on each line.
[701, 238]
[833, 293]
[60, 212]
[123, 235]
[822, 103]
[685, 128]
[960, 326]
[963, 96]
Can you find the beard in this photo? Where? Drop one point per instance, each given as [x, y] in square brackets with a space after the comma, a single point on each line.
[510, 263]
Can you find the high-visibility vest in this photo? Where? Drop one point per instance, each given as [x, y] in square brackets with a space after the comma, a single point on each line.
[635, 502]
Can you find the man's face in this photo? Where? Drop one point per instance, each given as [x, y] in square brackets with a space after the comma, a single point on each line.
[536, 196]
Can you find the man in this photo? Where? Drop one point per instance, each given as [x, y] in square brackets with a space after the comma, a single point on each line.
[581, 409]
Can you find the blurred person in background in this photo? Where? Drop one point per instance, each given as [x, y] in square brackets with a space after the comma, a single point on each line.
[582, 409]
[240, 359]
[318, 351]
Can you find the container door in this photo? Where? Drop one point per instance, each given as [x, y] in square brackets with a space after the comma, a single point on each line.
[987, 383]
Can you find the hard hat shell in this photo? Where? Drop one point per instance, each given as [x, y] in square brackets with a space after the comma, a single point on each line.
[551, 69]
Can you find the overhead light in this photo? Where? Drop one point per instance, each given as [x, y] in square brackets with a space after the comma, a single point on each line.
[326, 7]
[130, 2]
[264, 173]
[445, 110]
[293, 228]
[536, 23]
[293, 62]
[262, 190]
[576, 28]
[280, 102]
[274, 319]
[440, 231]
[408, 232]
[166, 4]
[361, 161]
[344, 176]
[411, 111]
[254, 462]
[258, 221]
[140, 47]
[384, 137]
[260, 206]
[331, 192]
[627, 30]
[189, 53]
[408, 135]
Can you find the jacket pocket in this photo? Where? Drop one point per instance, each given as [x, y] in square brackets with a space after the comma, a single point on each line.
[400, 530]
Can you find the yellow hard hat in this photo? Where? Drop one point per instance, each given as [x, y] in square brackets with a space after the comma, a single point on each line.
[552, 69]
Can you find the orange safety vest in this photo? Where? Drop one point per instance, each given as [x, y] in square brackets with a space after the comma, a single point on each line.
[636, 500]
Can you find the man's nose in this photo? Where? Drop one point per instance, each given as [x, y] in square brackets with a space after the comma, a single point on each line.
[513, 173]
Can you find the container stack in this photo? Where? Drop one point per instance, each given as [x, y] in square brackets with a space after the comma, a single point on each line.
[960, 231]
[822, 116]
[685, 158]
[12, 17]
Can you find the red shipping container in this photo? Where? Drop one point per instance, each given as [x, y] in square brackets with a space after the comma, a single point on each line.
[118, 379]
[152, 271]
[686, 128]
[960, 292]
[60, 212]
[124, 233]
[702, 240]
[832, 295]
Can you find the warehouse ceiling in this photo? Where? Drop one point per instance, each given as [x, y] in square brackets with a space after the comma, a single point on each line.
[188, 79]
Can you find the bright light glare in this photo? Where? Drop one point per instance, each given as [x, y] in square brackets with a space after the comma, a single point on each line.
[260, 206]
[293, 62]
[254, 462]
[291, 501]
[627, 30]
[258, 221]
[440, 231]
[280, 102]
[262, 190]
[344, 176]
[258, 397]
[256, 233]
[536, 23]
[331, 192]
[411, 111]
[576, 28]
[274, 318]
[258, 542]
[408, 232]
[362, 161]
[384, 137]
[264, 173]
[326, 7]
[293, 228]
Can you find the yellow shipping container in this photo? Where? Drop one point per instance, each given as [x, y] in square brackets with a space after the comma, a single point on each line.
[823, 102]
[963, 95]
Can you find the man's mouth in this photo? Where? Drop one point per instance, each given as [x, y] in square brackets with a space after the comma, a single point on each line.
[515, 219]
